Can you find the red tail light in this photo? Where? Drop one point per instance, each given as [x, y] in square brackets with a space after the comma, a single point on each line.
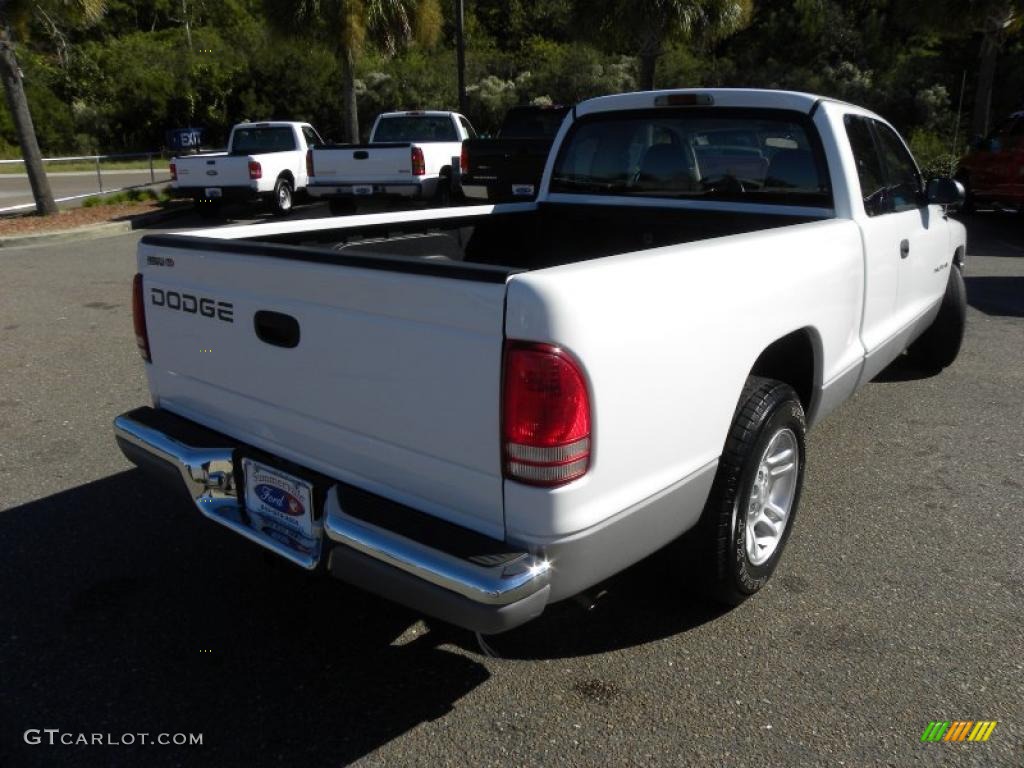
[545, 416]
[255, 170]
[309, 163]
[464, 160]
[174, 172]
[139, 318]
[419, 168]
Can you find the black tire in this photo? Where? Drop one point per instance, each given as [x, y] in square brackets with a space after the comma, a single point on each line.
[940, 344]
[766, 409]
[207, 209]
[341, 206]
[283, 199]
[443, 192]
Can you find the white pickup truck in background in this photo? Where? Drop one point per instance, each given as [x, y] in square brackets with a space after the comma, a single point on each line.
[410, 155]
[264, 161]
[479, 411]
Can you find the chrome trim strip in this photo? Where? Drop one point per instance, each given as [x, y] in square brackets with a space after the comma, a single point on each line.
[496, 585]
[208, 476]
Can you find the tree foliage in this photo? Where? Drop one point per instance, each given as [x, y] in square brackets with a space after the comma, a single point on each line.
[145, 66]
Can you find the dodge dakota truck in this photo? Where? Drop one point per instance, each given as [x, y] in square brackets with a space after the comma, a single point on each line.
[409, 156]
[480, 411]
[510, 166]
[264, 161]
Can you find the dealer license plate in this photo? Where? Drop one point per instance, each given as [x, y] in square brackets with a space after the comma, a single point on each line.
[362, 189]
[212, 192]
[280, 505]
[522, 190]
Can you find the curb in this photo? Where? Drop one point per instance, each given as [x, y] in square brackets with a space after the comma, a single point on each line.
[104, 229]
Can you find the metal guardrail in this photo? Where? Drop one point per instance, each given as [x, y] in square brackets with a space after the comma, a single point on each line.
[97, 159]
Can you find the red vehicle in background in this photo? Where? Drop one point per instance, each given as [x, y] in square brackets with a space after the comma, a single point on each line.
[993, 170]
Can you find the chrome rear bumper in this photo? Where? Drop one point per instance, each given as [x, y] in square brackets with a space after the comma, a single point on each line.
[405, 555]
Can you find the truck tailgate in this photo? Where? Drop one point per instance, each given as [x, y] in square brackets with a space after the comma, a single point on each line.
[362, 162]
[511, 160]
[393, 385]
[212, 171]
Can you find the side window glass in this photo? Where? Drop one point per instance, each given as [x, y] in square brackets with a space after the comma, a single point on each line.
[869, 165]
[902, 180]
[468, 128]
[312, 138]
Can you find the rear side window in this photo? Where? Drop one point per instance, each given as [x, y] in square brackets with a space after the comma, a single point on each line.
[312, 137]
[902, 180]
[740, 155]
[255, 141]
[868, 162]
[415, 128]
[470, 132]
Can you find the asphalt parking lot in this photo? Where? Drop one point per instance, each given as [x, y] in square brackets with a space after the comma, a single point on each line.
[900, 599]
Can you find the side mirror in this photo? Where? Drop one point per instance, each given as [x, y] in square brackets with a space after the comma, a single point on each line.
[945, 191]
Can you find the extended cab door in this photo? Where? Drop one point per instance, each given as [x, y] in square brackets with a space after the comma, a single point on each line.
[924, 265]
[901, 236]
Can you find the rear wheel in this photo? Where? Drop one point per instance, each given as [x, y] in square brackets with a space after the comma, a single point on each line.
[443, 192]
[754, 497]
[940, 344]
[284, 197]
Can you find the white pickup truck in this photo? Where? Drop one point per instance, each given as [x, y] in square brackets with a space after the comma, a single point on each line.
[264, 161]
[480, 411]
[410, 156]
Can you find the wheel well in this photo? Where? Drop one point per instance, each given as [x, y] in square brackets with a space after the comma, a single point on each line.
[790, 359]
[287, 175]
[958, 257]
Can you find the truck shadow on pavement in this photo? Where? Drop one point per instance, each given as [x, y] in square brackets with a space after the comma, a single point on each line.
[997, 296]
[124, 613]
[645, 603]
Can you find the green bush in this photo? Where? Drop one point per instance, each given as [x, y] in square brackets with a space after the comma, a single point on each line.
[127, 196]
[933, 154]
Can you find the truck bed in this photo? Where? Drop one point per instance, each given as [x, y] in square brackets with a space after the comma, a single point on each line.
[512, 238]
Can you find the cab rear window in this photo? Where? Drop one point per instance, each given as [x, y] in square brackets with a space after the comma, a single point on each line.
[721, 154]
[416, 128]
[255, 141]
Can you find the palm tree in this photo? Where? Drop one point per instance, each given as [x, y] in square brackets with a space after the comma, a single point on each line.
[653, 23]
[349, 25]
[15, 16]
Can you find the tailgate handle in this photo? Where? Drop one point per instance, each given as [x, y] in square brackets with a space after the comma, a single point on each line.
[276, 328]
[362, 154]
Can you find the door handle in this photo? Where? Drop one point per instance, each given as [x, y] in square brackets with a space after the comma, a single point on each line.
[904, 248]
[277, 328]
